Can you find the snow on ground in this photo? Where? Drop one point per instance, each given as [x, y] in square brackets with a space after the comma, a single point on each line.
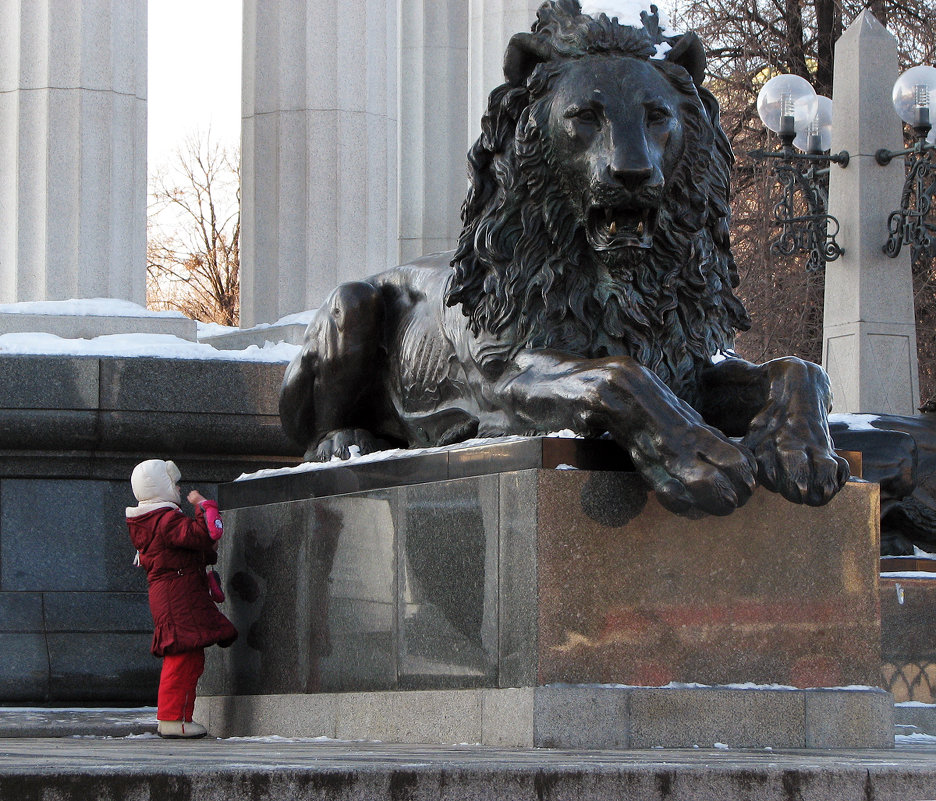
[164, 346]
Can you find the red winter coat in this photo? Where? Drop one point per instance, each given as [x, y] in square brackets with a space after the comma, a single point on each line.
[175, 549]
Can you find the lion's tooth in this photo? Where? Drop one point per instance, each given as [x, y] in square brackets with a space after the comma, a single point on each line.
[640, 228]
[613, 229]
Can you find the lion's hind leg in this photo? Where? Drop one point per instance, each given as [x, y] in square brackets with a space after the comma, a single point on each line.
[327, 393]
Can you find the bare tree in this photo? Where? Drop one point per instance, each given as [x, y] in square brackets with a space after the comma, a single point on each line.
[193, 256]
[749, 41]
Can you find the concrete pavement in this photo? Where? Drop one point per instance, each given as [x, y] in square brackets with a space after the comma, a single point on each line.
[102, 767]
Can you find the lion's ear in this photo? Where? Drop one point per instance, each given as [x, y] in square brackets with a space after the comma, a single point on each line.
[524, 52]
[687, 51]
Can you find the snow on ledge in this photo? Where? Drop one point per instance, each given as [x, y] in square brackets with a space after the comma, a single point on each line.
[394, 453]
[159, 346]
[85, 307]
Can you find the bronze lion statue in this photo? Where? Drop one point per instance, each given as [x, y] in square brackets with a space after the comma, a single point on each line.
[592, 290]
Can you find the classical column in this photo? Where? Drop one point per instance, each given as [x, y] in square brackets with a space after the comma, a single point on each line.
[318, 150]
[433, 124]
[869, 333]
[72, 149]
[493, 22]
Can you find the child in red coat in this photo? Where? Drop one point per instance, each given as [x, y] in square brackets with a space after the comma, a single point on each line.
[176, 549]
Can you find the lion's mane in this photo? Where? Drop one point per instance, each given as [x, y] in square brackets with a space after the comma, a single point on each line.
[523, 271]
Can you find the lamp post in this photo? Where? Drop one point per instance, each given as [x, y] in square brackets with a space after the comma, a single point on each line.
[790, 107]
[913, 96]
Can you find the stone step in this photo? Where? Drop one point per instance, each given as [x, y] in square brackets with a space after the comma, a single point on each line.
[267, 768]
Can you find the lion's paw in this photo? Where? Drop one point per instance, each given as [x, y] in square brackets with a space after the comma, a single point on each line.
[703, 474]
[345, 443]
[800, 472]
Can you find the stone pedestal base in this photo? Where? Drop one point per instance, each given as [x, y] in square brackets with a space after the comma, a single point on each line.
[535, 577]
[566, 716]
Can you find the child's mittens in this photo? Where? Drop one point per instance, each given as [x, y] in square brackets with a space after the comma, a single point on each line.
[213, 519]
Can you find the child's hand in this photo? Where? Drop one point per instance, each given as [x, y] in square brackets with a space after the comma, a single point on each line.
[195, 497]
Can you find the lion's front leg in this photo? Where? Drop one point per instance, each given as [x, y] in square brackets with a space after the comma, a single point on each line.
[691, 466]
[781, 410]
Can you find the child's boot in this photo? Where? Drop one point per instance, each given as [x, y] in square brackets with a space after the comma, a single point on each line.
[178, 729]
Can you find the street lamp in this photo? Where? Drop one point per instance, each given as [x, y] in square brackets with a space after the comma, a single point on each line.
[914, 98]
[790, 107]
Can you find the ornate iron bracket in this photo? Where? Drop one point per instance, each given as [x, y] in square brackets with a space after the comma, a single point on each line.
[909, 225]
[814, 232]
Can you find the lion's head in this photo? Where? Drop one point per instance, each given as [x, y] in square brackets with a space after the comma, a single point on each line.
[597, 219]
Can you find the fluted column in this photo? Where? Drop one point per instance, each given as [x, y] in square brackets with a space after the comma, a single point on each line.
[318, 150]
[72, 149]
[434, 123]
[493, 22]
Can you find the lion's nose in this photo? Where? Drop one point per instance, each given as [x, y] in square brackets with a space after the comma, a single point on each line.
[629, 173]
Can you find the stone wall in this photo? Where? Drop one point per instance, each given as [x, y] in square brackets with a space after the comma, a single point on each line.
[74, 619]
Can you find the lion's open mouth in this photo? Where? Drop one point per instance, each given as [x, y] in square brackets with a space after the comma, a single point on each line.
[615, 227]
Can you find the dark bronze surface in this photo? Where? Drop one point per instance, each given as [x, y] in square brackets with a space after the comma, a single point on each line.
[592, 285]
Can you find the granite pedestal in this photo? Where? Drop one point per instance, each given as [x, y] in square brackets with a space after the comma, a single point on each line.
[513, 577]
[75, 625]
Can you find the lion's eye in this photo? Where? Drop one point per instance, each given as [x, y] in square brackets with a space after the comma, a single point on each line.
[586, 116]
[658, 114]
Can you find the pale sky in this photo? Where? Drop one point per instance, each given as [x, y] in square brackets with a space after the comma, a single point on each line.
[194, 74]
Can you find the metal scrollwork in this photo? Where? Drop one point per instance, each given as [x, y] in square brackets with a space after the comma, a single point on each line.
[910, 224]
[804, 188]
[812, 233]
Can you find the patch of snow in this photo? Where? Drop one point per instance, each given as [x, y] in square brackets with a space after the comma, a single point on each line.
[908, 574]
[720, 746]
[566, 467]
[923, 554]
[916, 737]
[565, 433]
[160, 346]
[914, 705]
[275, 738]
[213, 329]
[85, 307]
[626, 11]
[376, 456]
[856, 422]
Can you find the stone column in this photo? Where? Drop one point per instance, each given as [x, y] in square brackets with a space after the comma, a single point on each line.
[493, 22]
[318, 150]
[72, 150]
[869, 333]
[434, 124]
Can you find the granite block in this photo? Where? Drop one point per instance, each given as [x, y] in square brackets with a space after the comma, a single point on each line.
[629, 593]
[849, 719]
[24, 668]
[518, 638]
[65, 535]
[105, 667]
[507, 717]
[192, 432]
[411, 717]
[311, 588]
[703, 716]
[20, 612]
[581, 717]
[447, 538]
[211, 386]
[48, 382]
[268, 715]
[53, 429]
[75, 612]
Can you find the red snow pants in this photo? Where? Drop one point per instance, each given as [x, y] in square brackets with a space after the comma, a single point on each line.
[177, 682]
